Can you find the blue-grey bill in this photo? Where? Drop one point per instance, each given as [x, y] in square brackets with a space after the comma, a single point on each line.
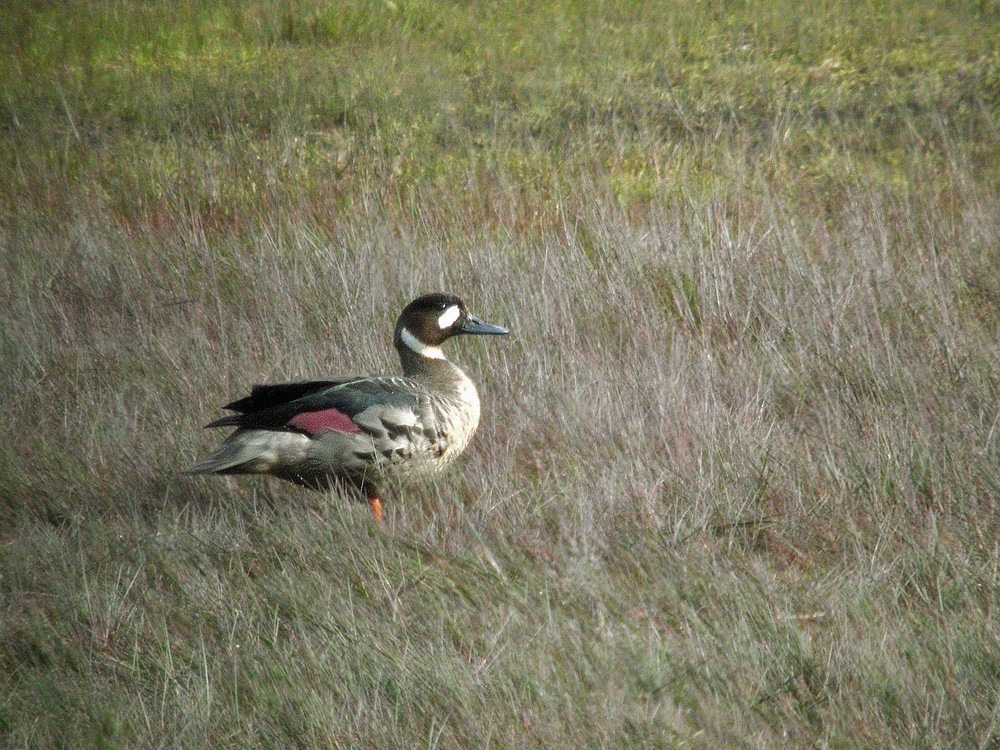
[474, 325]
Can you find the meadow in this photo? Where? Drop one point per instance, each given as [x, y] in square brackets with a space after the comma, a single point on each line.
[736, 480]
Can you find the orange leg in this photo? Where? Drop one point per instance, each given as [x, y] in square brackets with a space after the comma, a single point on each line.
[376, 505]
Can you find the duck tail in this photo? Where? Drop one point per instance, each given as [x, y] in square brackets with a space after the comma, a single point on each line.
[253, 452]
[217, 464]
[232, 457]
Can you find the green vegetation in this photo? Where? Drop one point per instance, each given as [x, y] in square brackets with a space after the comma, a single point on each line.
[736, 483]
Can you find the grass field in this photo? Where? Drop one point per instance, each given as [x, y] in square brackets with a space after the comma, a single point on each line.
[736, 483]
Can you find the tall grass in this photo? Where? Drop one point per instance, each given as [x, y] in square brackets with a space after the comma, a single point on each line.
[735, 484]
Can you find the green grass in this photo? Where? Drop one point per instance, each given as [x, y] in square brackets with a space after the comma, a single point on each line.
[736, 480]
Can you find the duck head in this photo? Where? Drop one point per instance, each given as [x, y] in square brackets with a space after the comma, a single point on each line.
[428, 321]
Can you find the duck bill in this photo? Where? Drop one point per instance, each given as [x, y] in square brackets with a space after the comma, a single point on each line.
[475, 326]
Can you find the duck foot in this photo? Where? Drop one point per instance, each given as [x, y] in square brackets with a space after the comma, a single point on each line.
[376, 505]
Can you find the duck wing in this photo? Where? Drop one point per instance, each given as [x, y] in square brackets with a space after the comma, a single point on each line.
[385, 407]
[274, 394]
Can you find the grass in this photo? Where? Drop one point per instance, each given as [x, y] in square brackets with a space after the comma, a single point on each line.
[735, 484]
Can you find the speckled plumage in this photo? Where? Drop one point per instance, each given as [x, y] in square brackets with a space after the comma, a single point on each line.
[362, 432]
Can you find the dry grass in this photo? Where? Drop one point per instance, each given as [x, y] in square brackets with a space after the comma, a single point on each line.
[736, 481]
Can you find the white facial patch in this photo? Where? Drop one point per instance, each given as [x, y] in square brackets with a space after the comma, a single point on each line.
[433, 352]
[448, 317]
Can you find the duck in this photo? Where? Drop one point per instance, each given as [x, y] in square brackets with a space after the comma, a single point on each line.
[362, 434]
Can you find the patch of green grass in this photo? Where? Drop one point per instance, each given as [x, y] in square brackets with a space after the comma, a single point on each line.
[413, 93]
